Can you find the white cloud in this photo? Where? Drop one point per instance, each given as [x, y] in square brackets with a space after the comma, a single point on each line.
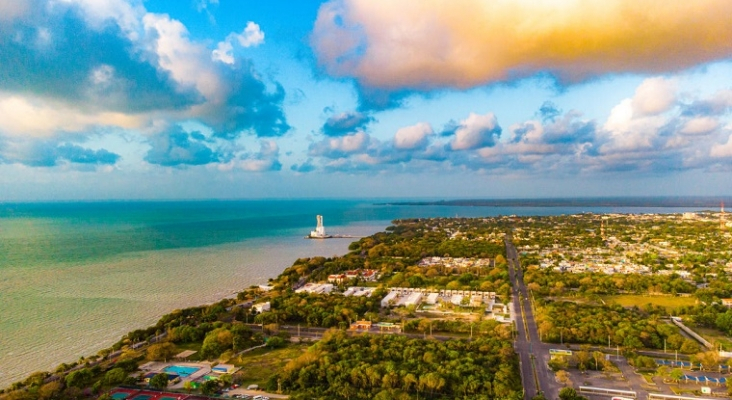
[350, 143]
[428, 44]
[654, 96]
[413, 137]
[224, 52]
[21, 116]
[10, 10]
[699, 126]
[184, 59]
[126, 14]
[251, 36]
[722, 150]
[476, 131]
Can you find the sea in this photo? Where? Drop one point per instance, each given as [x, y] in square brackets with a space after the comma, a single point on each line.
[76, 276]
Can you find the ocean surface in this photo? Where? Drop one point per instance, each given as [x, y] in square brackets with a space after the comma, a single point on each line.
[75, 277]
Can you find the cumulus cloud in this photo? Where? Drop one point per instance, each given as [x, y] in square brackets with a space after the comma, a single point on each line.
[251, 36]
[51, 153]
[345, 123]
[722, 150]
[340, 147]
[144, 67]
[114, 77]
[413, 137]
[636, 123]
[699, 126]
[38, 117]
[654, 96]
[432, 44]
[178, 148]
[476, 131]
[305, 167]
[267, 159]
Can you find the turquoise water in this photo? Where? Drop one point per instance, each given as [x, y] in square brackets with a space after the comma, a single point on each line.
[75, 277]
[181, 370]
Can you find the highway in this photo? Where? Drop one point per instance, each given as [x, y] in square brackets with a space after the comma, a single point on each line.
[533, 354]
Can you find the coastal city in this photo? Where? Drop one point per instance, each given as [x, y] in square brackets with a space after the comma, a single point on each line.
[365, 199]
[588, 305]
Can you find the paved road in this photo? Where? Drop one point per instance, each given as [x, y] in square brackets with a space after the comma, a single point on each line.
[528, 344]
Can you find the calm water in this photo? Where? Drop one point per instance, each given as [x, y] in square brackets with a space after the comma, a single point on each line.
[75, 277]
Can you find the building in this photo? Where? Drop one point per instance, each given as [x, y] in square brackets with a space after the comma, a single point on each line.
[337, 278]
[388, 299]
[727, 302]
[361, 326]
[262, 307]
[316, 288]
[432, 298]
[413, 299]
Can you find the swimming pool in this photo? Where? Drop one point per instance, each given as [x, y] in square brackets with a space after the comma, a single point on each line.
[182, 370]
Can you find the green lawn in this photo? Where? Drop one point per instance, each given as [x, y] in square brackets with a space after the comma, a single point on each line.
[258, 365]
[630, 300]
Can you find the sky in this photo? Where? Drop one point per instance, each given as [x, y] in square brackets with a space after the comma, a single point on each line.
[229, 99]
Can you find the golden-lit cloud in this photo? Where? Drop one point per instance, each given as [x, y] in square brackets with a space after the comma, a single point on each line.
[428, 44]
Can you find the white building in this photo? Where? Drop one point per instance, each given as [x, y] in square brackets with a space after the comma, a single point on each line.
[413, 299]
[386, 301]
[262, 307]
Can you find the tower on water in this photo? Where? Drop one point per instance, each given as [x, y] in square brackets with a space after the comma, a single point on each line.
[319, 231]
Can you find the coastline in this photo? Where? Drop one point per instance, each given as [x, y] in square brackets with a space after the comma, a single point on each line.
[98, 329]
[72, 336]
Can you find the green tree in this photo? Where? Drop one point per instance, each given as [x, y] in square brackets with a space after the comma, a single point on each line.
[689, 346]
[209, 387]
[569, 393]
[80, 378]
[159, 381]
[275, 342]
[676, 374]
[115, 376]
[49, 390]
[161, 351]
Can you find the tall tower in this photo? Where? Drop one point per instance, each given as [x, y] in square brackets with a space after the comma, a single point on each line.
[721, 216]
[319, 231]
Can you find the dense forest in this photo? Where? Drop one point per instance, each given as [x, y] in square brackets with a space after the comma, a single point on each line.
[395, 367]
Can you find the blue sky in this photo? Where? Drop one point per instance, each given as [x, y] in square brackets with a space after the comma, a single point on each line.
[116, 99]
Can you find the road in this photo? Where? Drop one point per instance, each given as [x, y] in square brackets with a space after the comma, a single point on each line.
[533, 354]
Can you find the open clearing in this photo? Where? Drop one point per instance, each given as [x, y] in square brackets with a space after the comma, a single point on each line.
[630, 300]
[258, 365]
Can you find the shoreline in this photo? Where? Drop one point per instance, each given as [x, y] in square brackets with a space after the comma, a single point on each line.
[261, 249]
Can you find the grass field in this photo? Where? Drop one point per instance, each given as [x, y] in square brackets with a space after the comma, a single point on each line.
[258, 365]
[630, 300]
